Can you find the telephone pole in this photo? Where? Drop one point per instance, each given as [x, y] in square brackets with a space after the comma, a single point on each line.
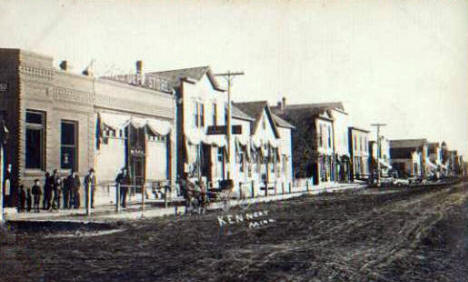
[378, 126]
[229, 76]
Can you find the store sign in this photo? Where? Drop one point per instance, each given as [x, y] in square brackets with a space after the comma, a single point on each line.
[3, 86]
[221, 130]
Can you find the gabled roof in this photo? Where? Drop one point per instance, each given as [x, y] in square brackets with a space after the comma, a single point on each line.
[281, 122]
[358, 129]
[255, 110]
[433, 146]
[174, 77]
[237, 113]
[307, 111]
[408, 143]
[323, 106]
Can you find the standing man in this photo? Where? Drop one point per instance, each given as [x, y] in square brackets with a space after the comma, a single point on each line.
[56, 187]
[47, 191]
[123, 181]
[90, 185]
[67, 190]
[36, 192]
[76, 184]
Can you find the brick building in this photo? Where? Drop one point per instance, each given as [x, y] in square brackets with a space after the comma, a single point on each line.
[66, 121]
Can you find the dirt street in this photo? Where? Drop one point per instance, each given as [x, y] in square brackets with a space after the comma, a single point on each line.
[380, 235]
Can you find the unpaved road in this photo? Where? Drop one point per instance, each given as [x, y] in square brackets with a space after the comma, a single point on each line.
[372, 235]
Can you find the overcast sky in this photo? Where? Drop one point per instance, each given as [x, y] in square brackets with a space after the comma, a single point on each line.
[404, 63]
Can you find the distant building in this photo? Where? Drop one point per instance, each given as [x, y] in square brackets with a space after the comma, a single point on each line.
[409, 157]
[359, 152]
[434, 162]
[383, 158]
[314, 140]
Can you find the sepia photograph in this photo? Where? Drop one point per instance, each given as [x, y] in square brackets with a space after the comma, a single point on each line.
[234, 140]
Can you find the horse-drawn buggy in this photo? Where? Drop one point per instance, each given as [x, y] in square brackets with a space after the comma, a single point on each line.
[197, 196]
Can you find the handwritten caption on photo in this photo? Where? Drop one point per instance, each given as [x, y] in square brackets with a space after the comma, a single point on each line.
[253, 220]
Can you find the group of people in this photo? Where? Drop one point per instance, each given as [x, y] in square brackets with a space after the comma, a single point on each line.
[195, 194]
[57, 192]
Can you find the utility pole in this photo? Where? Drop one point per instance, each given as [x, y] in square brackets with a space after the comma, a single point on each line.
[378, 126]
[229, 76]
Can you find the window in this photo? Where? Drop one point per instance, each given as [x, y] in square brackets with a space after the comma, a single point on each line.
[202, 115]
[355, 143]
[320, 136]
[215, 114]
[69, 145]
[195, 114]
[35, 139]
[329, 137]
[225, 115]
[263, 124]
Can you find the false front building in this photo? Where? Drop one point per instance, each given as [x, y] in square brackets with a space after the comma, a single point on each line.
[65, 121]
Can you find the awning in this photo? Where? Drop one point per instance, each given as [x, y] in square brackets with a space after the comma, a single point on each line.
[385, 164]
[161, 127]
[431, 165]
[243, 139]
[119, 121]
[214, 140]
[194, 137]
[273, 143]
[114, 121]
[191, 152]
[138, 122]
[256, 142]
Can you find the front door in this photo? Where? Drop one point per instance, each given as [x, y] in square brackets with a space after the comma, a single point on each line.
[136, 157]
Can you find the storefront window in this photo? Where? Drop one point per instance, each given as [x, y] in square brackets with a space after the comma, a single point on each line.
[35, 135]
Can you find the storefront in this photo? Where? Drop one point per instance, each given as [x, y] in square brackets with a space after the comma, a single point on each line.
[72, 122]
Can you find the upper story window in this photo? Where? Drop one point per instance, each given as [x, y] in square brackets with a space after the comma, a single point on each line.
[215, 114]
[355, 142]
[35, 139]
[263, 124]
[329, 137]
[202, 115]
[320, 136]
[199, 114]
[195, 114]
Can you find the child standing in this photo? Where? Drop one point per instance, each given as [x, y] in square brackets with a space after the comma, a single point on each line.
[36, 192]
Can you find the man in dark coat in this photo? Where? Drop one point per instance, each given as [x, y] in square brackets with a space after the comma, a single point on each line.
[123, 180]
[36, 192]
[90, 181]
[47, 191]
[76, 184]
[67, 190]
[21, 198]
[56, 188]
